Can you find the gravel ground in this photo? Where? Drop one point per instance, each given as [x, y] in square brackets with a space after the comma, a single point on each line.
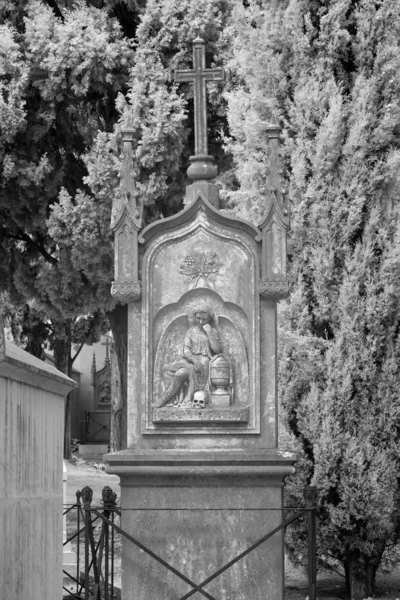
[330, 586]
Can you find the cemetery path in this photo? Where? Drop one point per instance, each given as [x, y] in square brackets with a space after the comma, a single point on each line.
[81, 473]
[330, 586]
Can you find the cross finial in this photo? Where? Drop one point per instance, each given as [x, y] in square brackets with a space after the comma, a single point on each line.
[107, 345]
[199, 75]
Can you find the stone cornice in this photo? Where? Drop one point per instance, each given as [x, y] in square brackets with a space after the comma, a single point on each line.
[200, 203]
[20, 366]
[178, 468]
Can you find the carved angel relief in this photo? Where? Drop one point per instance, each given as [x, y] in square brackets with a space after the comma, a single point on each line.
[195, 371]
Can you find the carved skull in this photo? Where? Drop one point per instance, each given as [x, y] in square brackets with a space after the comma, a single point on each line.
[200, 399]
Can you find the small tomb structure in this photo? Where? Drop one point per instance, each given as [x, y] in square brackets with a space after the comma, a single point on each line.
[98, 419]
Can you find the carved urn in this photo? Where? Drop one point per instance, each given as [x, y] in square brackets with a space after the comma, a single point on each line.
[220, 374]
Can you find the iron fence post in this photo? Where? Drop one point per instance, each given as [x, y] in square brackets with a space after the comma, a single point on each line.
[87, 495]
[310, 497]
[78, 543]
[112, 553]
[109, 498]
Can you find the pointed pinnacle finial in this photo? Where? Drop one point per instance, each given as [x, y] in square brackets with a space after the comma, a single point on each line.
[199, 38]
[273, 128]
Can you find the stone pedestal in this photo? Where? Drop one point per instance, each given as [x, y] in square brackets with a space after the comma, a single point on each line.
[198, 510]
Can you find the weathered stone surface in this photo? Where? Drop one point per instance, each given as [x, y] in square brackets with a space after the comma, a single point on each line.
[208, 189]
[197, 511]
[238, 413]
[126, 221]
[274, 288]
[19, 365]
[199, 262]
[125, 291]
[274, 281]
[200, 257]
[31, 445]
[69, 556]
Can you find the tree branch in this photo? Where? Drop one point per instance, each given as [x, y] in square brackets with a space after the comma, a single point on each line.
[77, 353]
[53, 4]
[24, 237]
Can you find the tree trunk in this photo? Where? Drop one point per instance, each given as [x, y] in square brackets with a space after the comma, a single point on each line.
[63, 362]
[118, 319]
[360, 576]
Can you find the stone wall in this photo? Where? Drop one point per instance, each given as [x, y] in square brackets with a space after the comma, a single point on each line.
[31, 485]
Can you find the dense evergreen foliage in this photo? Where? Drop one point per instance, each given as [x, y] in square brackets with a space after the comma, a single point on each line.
[329, 71]
[60, 79]
[71, 74]
[61, 71]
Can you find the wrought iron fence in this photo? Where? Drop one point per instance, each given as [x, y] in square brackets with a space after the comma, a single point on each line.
[94, 427]
[98, 529]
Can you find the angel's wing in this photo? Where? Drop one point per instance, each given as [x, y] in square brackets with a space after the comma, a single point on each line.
[169, 350]
[234, 348]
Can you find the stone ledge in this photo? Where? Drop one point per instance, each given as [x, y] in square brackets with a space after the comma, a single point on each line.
[221, 456]
[232, 414]
[209, 468]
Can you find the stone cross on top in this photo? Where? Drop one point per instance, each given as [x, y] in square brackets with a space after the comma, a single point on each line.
[199, 75]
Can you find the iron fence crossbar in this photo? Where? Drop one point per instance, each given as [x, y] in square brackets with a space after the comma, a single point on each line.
[98, 551]
[191, 509]
[76, 581]
[77, 533]
[120, 509]
[103, 426]
[243, 554]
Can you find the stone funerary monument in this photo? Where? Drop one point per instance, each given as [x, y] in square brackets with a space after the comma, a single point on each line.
[202, 463]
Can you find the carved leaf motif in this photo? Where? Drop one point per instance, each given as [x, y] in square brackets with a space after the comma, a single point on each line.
[200, 265]
[274, 288]
[125, 291]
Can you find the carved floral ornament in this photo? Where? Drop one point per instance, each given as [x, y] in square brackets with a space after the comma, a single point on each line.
[200, 267]
[125, 291]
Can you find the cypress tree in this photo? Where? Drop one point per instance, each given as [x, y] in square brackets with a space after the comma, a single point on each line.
[329, 73]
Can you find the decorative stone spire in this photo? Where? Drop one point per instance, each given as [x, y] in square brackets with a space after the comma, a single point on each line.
[273, 180]
[202, 167]
[274, 282]
[126, 221]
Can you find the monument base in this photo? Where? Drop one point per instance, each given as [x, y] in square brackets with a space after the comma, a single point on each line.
[212, 414]
[198, 511]
[220, 400]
